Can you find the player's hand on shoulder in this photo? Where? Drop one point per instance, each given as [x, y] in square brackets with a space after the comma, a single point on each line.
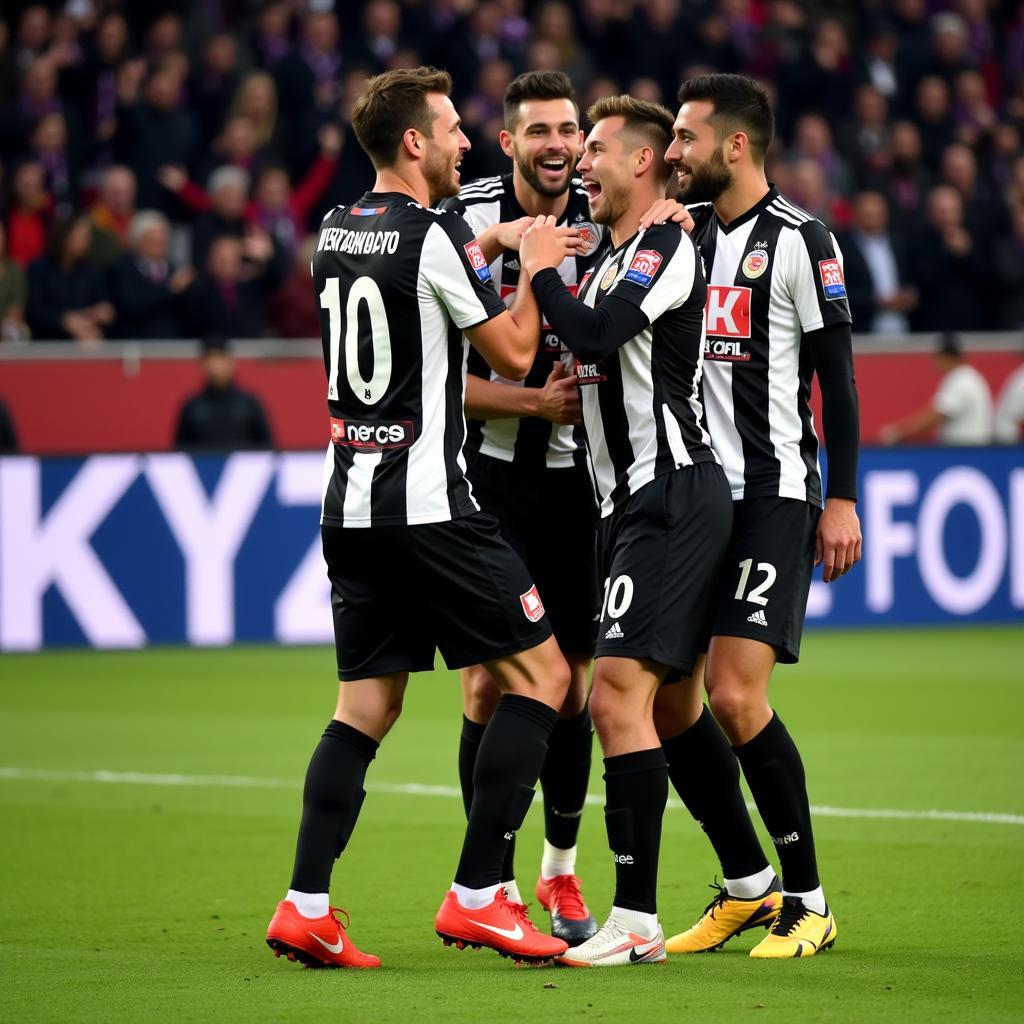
[508, 234]
[665, 210]
[838, 541]
[545, 244]
[560, 398]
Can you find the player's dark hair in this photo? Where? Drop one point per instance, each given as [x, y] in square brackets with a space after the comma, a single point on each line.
[652, 121]
[392, 103]
[740, 105]
[950, 345]
[536, 85]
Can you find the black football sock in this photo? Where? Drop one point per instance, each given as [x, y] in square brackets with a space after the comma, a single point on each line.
[331, 799]
[507, 766]
[564, 778]
[636, 787]
[775, 774]
[706, 775]
[469, 746]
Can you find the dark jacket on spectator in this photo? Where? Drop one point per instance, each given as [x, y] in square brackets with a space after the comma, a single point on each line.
[223, 419]
[1009, 273]
[146, 307]
[953, 288]
[146, 140]
[236, 313]
[52, 292]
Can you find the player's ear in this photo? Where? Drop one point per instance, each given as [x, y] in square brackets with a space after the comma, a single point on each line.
[412, 143]
[738, 145]
[505, 141]
[644, 159]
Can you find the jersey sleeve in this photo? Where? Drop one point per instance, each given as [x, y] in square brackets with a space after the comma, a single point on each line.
[813, 267]
[661, 271]
[952, 397]
[456, 270]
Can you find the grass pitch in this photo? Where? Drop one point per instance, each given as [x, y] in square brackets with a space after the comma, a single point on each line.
[144, 894]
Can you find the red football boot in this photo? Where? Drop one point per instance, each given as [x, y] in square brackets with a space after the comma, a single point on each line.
[501, 925]
[315, 941]
[571, 919]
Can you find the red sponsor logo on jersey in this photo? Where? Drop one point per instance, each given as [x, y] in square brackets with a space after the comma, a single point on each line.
[477, 260]
[533, 607]
[727, 311]
[644, 266]
[372, 437]
[832, 281]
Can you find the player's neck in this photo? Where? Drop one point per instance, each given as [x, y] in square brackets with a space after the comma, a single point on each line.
[748, 188]
[534, 204]
[625, 226]
[391, 179]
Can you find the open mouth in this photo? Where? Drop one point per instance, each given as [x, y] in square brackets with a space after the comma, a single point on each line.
[592, 188]
[683, 174]
[554, 166]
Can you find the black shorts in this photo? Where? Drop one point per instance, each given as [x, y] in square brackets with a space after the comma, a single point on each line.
[768, 573]
[549, 516]
[399, 592]
[661, 554]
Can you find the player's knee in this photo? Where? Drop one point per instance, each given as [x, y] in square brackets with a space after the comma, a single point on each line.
[480, 695]
[730, 705]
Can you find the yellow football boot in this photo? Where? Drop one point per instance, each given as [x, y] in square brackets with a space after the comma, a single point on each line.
[726, 916]
[797, 932]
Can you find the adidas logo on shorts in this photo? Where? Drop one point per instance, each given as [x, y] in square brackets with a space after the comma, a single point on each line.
[615, 633]
[758, 617]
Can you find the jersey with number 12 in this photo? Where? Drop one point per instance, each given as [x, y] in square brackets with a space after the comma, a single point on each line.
[397, 284]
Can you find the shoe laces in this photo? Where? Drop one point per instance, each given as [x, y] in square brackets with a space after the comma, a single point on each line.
[521, 913]
[793, 911]
[566, 897]
[719, 900]
[334, 912]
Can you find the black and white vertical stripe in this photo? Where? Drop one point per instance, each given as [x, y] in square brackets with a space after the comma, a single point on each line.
[757, 376]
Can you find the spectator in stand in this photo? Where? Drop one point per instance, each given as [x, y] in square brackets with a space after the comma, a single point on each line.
[225, 212]
[270, 40]
[380, 38]
[235, 146]
[984, 214]
[13, 294]
[228, 297]
[221, 417]
[110, 49]
[30, 213]
[882, 64]
[38, 97]
[291, 311]
[554, 23]
[961, 409]
[809, 190]
[112, 215]
[950, 268]
[308, 76]
[1009, 273]
[933, 118]
[812, 140]
[875, 270]
[1009, 416]
[950, 54]
[974, 116]
[144, 289]
[1014, 195]
[823, 78]
[66, 293]
[48, 146]
[155, 130]
[256, 99]
[213, 84]
[907, 181]
[864, 140]
[8, 435]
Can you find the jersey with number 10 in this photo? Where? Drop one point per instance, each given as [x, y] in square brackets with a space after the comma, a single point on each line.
[397, 284]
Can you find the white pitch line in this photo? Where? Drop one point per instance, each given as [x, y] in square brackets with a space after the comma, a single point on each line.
[419, 789]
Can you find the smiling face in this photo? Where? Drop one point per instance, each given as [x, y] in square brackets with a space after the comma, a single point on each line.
[607, 170]
[696, 154]
[444, 149]
[544, 143]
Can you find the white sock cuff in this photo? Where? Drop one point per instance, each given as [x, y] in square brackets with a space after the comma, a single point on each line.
[310, 904]
[750, 886]
[512, 889]
[813, 900]
[556, 861]
[645, 925]
[475, 899]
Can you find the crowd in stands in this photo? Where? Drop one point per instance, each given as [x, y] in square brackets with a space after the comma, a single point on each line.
[163, 164]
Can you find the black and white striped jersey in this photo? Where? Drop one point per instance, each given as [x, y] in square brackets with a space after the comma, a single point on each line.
[774, 274]
[641, 404]
[531, 442]
[397, 284]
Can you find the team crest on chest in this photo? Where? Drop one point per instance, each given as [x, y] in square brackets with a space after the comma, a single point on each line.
[755, 263]
[609, 277]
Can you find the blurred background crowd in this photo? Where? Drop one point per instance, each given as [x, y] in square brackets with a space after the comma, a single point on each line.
[162, 164]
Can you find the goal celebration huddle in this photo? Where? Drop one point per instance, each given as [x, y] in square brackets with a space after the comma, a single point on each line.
[571, 448]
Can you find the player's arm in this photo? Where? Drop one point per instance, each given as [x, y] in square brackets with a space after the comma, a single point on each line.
[509, 341]
[918, 422]
[558, 400]
[813, 266]
[839, 538]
